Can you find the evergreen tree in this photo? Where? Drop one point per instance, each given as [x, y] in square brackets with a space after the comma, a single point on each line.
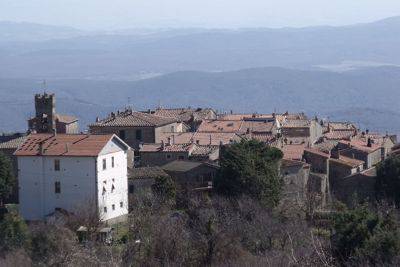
[388, 179]
[7, 179]
[13, 232]
[252, 168]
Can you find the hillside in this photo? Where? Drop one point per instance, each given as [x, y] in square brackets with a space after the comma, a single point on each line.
[133, 54]
[366, 96]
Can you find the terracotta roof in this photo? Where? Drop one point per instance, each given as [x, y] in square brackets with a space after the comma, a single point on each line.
[296, 124]
[240, 117]
[340, 135]
[146, 173]
[262, 137]
[290, 163]
[360, 145]
[201, 138]
[348, 161]
[335, 126]
[257, 127]
[192, 148]
[63, 145]
[130, 118]
[326, 146]
[294, 152]
[219, 126]
[13, 143]
[184, 114]
[66, 118]
[317, 152]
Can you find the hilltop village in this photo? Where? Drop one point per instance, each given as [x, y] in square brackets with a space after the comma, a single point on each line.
[59, 168]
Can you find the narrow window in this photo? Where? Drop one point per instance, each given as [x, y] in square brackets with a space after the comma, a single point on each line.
[131, 188]
[104, 164]
[113, 207]
[112, 162]
[168, 156]
[121, 204]
[105, 209]
[57, 187]
[181, 157]
[57, 165]
[112, 188]
[122, 134]
[139, 135]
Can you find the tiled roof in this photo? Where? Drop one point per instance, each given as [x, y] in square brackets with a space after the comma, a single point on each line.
[66, 118]
[256, 127]
[14, 143]
[336, 126]
[201, 138]
[130, 118]
[339, 134]
[203, 150]
[326, 146]
[294, 152]
[219, 126]
[317, 152]
[348, 161]
[184, 114]
[296, 124]
[262, 137]
[63, 145]
[146, 173]
[192, 148]
[360, 145]
[240, 117]
[290, 163]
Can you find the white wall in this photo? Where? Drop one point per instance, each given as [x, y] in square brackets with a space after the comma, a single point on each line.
[120, 182]
[37, 179]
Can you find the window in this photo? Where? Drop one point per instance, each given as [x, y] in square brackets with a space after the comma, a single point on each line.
[104, 164]
[57, 187]
[112, 162]
[168, 156]
[57, 165]
[131, 188]
[139, 135]
[122, 134]
[181, 157]
[112, 188]
[113, 207]
[121, 204]
[105, 209]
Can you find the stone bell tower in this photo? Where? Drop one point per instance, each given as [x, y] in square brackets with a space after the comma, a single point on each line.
[45, 119]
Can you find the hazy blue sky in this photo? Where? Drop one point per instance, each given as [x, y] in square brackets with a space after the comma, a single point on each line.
[112, 14]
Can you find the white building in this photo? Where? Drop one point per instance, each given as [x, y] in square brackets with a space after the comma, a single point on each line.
[72, 173]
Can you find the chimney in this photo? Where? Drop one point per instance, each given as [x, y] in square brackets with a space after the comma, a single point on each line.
[369, 142]
[41, 149]
[169, 141]
[66, 147]
[162, 144]
[367, 131]
[97, 119]
[173, 139]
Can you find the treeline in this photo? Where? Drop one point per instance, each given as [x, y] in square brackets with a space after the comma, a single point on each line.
[243, 223]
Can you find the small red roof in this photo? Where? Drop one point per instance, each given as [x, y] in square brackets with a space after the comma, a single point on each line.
[63, 145]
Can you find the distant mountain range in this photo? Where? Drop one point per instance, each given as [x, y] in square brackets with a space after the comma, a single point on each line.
[39, 51]
[368, 96]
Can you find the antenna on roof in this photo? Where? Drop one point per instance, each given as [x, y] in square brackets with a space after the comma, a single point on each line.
[44, 86]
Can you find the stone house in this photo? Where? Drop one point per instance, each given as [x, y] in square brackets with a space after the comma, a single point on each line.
[357, 187]
[47, 120]
[296, 177]
[190, 116]
[365, 150]
[136, 128]
[310, 130]
[191, 174]
[161, 154]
